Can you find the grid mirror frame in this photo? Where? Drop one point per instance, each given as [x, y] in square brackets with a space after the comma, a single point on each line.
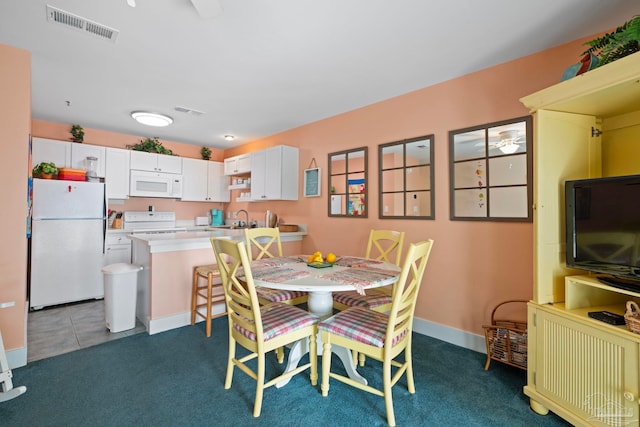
[406, 179]
[490, 169]
[348, 183]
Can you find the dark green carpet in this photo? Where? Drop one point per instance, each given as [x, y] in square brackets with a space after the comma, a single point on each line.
[176, 378]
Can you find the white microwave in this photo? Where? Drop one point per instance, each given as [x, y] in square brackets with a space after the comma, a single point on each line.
[155, 184]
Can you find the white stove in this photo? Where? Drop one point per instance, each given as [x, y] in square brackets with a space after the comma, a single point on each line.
[151, 222]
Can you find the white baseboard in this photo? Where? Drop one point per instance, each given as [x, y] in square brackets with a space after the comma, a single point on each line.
[16, 357]
[451, 335]
[178, 320]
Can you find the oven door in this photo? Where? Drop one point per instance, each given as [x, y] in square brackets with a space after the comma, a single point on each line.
[155, 184]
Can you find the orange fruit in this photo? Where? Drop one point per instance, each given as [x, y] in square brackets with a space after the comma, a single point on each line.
[331, 257]
[310, 259]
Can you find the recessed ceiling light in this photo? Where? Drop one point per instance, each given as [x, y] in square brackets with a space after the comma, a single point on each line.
[229, 137]
[151, 119]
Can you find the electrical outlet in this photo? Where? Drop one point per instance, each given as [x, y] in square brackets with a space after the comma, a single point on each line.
[235, 215]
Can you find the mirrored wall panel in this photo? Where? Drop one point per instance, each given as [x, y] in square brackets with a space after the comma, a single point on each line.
[406, 179]
[348, 183]
[490, 171]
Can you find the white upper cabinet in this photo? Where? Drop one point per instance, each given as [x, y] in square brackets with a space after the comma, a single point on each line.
[237, 165]
[203, 181]
[274, 174]
[117, 173]
[141, 160]
[218, 183]
[51, 151]
[80, 152]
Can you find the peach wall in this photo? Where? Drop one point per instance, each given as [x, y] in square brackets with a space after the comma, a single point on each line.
[15, 120]
[473, 264]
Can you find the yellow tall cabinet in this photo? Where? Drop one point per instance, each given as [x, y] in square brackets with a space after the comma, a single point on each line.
[586, 371]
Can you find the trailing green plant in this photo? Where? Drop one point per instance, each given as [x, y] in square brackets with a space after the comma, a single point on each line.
[44, 168]
[624, 41]
[77, 133]
[150, 145]
[205, 152]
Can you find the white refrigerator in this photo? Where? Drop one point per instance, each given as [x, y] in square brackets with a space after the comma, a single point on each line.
[67, 242]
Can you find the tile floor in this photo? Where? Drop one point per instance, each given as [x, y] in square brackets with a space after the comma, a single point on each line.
[65, 328]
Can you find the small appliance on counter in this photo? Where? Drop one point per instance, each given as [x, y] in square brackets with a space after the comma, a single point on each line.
[270, 220]
[217, 217]
[92, 169]
[202, 220]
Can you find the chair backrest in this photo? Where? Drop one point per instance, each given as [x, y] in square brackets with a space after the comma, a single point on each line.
[243, 307]
[405, 290]
[382, 244]
[263, 238]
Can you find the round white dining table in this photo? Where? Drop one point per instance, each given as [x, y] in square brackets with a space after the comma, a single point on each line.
[320, 283]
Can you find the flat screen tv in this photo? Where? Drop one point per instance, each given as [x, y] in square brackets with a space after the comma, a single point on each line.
[603, 228]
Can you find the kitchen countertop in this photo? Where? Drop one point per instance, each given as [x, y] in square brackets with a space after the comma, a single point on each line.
[201, 238]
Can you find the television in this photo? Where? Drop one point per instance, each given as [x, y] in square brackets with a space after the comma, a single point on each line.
[603, 228]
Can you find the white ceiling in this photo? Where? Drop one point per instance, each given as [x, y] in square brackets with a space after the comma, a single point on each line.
[266, 66]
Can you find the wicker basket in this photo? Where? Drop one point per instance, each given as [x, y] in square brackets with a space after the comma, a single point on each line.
[632, 317]
[506, 339]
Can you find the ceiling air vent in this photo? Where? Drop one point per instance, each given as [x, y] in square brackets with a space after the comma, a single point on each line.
[189, 111]
[69, 20]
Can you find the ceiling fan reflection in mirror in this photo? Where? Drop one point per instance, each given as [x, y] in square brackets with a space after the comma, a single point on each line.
[508, 141]
[205, 8]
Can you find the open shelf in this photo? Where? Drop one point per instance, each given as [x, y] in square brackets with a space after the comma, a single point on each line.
[240, 186]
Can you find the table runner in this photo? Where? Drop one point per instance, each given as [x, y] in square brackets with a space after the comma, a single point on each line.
[348, 261]
[360, 277]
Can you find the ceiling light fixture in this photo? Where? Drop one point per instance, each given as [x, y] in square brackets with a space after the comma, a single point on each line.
[151, 119]
[229, 137]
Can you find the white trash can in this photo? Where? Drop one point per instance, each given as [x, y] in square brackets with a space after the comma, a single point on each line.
[120, 289]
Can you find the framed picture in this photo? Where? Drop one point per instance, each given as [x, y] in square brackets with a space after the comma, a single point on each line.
[312, 182]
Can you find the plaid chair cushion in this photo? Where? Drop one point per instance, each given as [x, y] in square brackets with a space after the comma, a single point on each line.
[278, 319]
[371, 300]
[277, 295]
[360, 324]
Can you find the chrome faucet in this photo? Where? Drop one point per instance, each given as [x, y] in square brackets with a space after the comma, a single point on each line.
[246, 214]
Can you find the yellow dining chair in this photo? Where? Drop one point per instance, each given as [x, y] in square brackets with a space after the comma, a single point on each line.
[382, 245]
[259, 328]
[264, 242]
[378, 335]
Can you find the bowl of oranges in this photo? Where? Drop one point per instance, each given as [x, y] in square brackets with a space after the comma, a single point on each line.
[317, 260]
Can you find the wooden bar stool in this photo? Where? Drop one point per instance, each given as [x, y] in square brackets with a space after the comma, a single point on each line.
[212, 292]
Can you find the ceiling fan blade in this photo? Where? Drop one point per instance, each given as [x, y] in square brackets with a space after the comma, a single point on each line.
[207, 8]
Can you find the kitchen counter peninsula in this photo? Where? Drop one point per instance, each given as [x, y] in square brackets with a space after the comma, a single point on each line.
[164, 284]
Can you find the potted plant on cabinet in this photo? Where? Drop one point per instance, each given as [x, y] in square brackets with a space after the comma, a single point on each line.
[45, 170]
[77, 133]
[150, 145]
[205, 152]
[624, 41]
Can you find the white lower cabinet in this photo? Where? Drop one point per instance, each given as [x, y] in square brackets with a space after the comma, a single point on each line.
[117, 249]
